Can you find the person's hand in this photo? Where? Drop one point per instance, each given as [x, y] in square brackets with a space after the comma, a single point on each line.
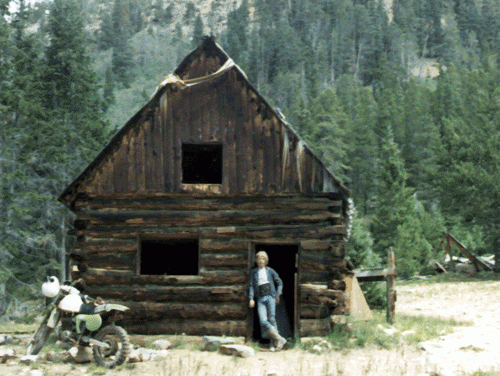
[277, 300]
[252, 303]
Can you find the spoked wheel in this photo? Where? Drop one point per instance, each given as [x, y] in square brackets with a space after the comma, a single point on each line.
[118, 351]
[39, 339]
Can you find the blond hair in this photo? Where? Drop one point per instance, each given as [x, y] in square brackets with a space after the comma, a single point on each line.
[264, 254]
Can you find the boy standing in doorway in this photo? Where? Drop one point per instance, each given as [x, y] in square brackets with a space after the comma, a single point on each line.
[266, 286]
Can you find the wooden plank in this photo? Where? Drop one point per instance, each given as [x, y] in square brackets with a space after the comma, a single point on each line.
[224, 245]
[285, 202]
[314, 327]
[189, 327]
[223, 260]
[152, 311]
[285, 232]
[391, 289]
[203, 218]
[100, 277]
[376, 274]
[179, 293]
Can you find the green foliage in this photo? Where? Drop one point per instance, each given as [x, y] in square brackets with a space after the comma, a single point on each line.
[197, 32]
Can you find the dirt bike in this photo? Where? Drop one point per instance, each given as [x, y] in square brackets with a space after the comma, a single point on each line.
[82, 324]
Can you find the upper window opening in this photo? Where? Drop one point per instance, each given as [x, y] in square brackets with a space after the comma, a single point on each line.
[202, 163]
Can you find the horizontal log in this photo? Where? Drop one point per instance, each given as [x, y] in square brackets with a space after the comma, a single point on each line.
[290, 232]
[335, 284]
[224, 260]
[98, 277]
[321, 290]
[314, 327]
[150, 311]
[204, 218]
[224, 245]
[91, 246]
[190, 327]
[315, 245]
[113, 261]
[310, 311]
[170, 293]
[315, 276]
[316, 202]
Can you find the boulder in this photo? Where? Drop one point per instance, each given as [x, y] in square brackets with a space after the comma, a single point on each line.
[6, 354]
[161, 344]
[212, 343]
[28, 359]
[239, 350]
[5, 339]
[81, 354]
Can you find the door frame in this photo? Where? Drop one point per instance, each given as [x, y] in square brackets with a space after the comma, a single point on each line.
[296, 303]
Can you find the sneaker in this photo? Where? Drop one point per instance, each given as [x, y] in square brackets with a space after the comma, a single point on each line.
[272, 348]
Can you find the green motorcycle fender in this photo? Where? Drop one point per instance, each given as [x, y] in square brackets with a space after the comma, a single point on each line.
[92, 322]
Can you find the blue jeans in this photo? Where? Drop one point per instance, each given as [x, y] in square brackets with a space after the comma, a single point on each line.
[266, 308]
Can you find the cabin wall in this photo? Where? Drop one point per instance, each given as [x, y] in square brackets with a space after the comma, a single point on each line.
[260, 154]
[215, 301]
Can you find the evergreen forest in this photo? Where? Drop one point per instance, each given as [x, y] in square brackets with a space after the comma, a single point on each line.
[400, 99]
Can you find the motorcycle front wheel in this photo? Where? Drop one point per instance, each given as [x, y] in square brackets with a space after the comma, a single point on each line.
[39, 339]
[118, 351]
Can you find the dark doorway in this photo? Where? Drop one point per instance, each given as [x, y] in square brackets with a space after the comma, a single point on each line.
[284, 260]
[169, 257]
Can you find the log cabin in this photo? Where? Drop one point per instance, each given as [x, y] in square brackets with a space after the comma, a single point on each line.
[170, 214]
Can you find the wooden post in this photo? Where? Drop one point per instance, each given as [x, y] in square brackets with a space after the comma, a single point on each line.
[391, 288]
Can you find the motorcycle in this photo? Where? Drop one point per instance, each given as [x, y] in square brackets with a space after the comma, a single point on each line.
[83, 324]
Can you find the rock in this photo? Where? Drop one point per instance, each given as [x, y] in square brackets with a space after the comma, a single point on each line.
[317, 349]
[36, 372]
[144, 355]
[212, 343]
[5, 339]
[133, 356]
[162, 344]
[389, 331]
[338, 319]
[81, 354]
[325, 345]
[7, 354]
[423, 346]
[161, 353]
[28, 359]
[239, 350]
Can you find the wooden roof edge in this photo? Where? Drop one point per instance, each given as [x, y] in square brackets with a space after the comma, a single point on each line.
[65, 196]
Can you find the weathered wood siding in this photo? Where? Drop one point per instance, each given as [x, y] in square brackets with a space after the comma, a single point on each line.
[260, 155]
[106, 256]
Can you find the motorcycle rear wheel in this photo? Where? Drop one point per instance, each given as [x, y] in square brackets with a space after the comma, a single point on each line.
[117, 353]
[39, 339]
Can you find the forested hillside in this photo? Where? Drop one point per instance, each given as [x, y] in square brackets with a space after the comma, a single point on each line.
[400, 99]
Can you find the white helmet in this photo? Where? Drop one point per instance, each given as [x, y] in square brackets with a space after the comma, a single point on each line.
[51, 287]
[71, 303]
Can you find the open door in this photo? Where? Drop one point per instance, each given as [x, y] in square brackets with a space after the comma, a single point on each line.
[283, 258]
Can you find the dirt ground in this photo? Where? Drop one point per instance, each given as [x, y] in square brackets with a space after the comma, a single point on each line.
[467, 350]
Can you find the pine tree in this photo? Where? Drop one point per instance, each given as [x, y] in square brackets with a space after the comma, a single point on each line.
[328, 125]
[395, 201]
[122, 59]
[197, 32]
